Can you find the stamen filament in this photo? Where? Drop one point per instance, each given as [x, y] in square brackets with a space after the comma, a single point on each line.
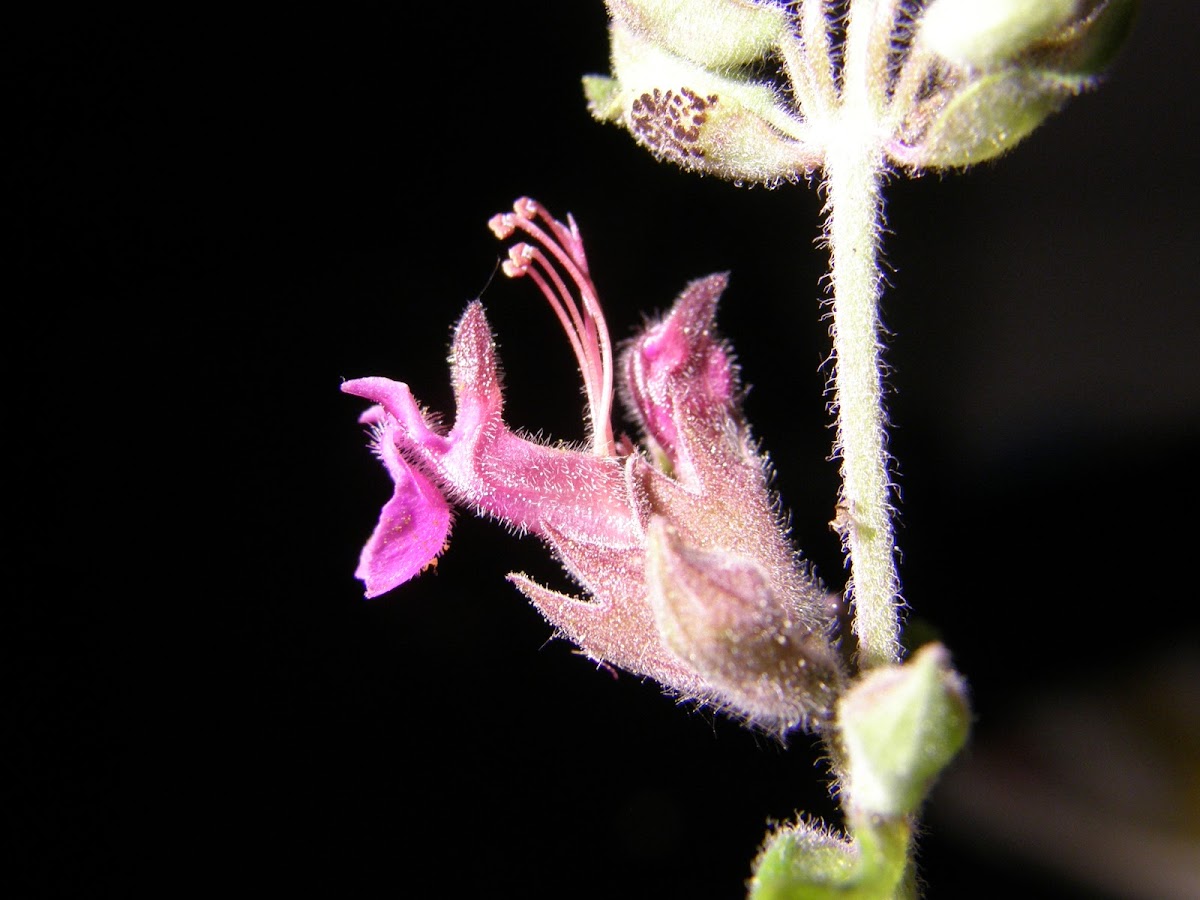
[586, 328]
[568, 316]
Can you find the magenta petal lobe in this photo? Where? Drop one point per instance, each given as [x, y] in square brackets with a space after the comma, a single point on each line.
[412, 531]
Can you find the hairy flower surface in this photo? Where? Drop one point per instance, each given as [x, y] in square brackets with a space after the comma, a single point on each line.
[689, 576]
[952, 82]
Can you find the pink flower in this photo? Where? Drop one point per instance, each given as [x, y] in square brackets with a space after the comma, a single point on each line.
[688, 572]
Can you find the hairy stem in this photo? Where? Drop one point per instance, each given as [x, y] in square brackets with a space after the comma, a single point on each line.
[854, 212]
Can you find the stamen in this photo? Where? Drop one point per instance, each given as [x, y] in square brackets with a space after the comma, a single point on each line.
[586, 328]
[518, 264]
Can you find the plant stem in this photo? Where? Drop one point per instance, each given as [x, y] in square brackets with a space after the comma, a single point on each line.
[853, 169]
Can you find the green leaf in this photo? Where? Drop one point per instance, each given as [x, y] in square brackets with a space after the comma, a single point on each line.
[603, 96]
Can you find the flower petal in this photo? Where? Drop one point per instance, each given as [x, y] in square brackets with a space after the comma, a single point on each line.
[412, 531]
[395, 404]
[679, 377]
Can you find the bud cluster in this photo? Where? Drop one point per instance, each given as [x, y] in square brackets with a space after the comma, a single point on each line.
[959, 81]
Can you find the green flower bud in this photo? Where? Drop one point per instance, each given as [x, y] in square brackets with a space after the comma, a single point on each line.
[1087, 45]
[717, 34]
[981, 120]
[979, 34]
[900, 726]
[1066, 36]
[993, 70]
[702, 121]
[805, 862]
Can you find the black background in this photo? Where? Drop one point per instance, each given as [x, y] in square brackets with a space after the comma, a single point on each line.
[217, 216]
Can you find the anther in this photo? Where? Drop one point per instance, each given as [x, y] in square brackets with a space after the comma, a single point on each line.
[502, 225]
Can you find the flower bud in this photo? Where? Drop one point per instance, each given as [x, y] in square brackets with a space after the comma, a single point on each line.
[716, 610]
[803, 860]
[979, 34]
[993, 70]
[978, 120]
[717, 34]
[1089, 43]
[901, 725]
[702, 121]
[808, 862]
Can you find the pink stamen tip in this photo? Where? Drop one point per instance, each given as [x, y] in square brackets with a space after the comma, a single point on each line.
[502, 225]
[526, 208]
[580, 315]
[519, 258]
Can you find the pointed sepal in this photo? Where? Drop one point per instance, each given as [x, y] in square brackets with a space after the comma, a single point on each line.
[717, 611]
